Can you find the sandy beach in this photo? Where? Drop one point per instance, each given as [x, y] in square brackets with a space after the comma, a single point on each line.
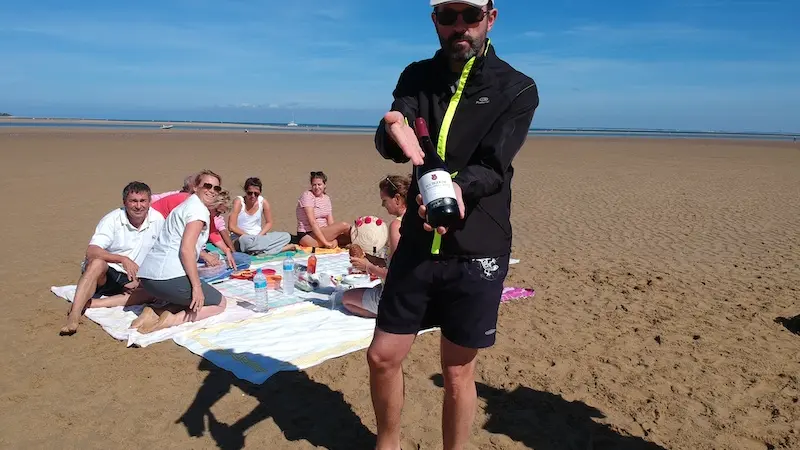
[660, 268]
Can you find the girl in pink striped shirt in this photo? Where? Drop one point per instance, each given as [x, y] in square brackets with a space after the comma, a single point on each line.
[315, 224]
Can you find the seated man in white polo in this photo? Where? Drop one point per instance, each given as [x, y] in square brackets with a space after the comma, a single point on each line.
[119, 245]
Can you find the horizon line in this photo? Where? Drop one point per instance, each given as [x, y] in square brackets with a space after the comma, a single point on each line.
[542, 129]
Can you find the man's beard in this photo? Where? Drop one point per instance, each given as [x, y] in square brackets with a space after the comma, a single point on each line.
[458, 54]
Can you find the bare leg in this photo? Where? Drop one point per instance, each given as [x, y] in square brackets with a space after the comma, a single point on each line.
[338, 231]
[460, 398]
[147, 318]
[137, 297]
[352, 301]
[309, 241]
[92, 277]
[168, 319]
[385, 357]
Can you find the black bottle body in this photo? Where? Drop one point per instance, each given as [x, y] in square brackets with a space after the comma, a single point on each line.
[435, 183]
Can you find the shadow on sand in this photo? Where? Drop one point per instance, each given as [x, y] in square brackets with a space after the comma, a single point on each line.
[546, 421]
[302, 408]
[791, 323]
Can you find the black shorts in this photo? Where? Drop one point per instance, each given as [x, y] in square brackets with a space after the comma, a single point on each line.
[300, 235]
[114, 285]
[178, 291]
[459, 295]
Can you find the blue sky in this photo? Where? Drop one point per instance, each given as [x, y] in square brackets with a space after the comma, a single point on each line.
[690, 64]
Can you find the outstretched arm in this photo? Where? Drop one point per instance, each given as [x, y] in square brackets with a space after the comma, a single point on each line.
[406, 106]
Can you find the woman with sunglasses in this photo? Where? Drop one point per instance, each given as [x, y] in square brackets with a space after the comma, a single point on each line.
[217, 234]
[251, 221]
[169, 273]
[315, 224]
[364, 302]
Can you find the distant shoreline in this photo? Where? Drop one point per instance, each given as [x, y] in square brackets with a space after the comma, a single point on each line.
[167, 125]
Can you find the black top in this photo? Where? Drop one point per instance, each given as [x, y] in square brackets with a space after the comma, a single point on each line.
[490, 125]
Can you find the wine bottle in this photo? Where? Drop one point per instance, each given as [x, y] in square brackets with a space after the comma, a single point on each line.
[435, 184]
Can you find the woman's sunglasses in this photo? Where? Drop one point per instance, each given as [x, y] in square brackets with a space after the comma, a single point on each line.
[471, 16]
[211, 186]
[252, 194]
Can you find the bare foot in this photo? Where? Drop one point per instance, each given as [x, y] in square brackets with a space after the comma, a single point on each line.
[163, 322]
[71, 327]
[147, 317]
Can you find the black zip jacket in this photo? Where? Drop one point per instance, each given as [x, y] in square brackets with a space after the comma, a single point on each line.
[490, 124]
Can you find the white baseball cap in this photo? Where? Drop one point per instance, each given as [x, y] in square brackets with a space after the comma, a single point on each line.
[477, 3]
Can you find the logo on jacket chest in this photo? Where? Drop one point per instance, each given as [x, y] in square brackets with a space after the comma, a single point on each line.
[482, 101]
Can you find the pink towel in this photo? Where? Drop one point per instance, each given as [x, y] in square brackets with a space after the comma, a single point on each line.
[512, 293]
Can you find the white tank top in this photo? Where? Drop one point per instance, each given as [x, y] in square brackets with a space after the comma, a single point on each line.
[251, 225]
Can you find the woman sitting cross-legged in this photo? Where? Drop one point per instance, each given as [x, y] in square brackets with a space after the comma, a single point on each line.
[364, 301]
[169, 272]
[315, 224]
[250, 223]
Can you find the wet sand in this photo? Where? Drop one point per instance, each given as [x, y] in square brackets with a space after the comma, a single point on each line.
[660, 267]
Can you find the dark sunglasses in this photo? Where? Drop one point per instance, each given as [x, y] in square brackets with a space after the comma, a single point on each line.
[471, 16]
[211, 186]
[317, 174]
[252, 194]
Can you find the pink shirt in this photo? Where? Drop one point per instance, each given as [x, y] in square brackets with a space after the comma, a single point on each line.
[322, 209]
[165, 205]
[156, 197]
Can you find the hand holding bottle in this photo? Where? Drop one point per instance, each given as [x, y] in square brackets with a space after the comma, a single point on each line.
[422, 211]
[440, 200]
[404, 136]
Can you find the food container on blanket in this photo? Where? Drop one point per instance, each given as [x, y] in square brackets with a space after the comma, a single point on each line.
[274, 282]
[211, 271]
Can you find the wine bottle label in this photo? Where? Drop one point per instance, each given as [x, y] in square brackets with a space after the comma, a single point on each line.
[436, 184]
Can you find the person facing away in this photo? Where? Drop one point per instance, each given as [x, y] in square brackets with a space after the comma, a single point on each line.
[393, 190]
[478, 109]
[169, 273]
[188, 185]
[119, 245]
[250, 223]
[316, 226]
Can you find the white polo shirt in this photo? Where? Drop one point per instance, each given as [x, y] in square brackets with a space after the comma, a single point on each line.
[115, 234]
[164, 261]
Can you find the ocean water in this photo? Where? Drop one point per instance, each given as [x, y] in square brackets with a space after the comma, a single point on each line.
[345, 129]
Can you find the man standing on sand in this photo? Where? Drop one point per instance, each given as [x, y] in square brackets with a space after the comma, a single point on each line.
[121, 240]
[478, 109]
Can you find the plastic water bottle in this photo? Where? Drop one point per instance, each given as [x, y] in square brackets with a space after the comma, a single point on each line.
[288, 275]
[262, 297]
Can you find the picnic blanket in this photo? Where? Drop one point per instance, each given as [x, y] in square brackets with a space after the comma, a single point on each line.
[296, 337]
[116, 321]
[299, 331]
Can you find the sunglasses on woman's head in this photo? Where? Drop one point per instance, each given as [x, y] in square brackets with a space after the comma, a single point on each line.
[316, 174]
[211, 186]
[396, 190]
[471, 16]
